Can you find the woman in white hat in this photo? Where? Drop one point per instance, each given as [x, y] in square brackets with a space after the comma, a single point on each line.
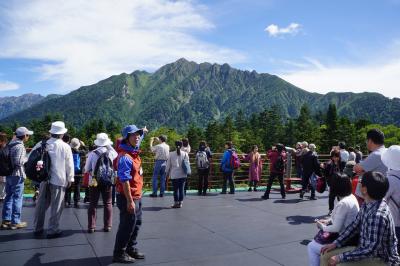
[76, 154]
[99, 165]
[391, 159]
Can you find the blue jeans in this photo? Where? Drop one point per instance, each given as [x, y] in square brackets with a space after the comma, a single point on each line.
[129, 225]
[179, 185]
[13, 202]
[159, 170]
[228, 177]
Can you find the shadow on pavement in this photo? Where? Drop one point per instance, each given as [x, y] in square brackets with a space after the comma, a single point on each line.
[35, 261]
[29, 235]
[300, 219]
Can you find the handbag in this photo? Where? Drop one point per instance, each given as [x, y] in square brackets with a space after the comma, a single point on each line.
[324, 238]
[186, 166]
[321, 184]
[85, 181]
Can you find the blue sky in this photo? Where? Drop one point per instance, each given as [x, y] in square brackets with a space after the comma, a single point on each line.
[49, 46]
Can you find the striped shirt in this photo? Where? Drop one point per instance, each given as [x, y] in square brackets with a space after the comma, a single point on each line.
[18, 158]
[377, 238]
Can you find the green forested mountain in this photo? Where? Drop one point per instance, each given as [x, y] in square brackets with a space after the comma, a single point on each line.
[185, 92]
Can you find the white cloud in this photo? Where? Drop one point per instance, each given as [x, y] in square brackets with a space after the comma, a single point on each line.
[83, 41]
[373, 76]
[274, 30]
[8, 86]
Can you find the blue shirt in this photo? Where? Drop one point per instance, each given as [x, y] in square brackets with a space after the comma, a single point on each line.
[225, 162]
[125, 164]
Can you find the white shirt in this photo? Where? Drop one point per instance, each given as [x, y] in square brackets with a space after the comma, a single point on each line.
[343, 214]
[393, 195]
[344, 155]
[174, 165]
[93, 157]
[161, 151]
[62, 164]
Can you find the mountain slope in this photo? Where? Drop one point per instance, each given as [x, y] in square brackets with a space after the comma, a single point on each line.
[185, 92]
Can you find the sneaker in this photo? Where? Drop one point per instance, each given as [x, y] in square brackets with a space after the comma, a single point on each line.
[153, 195]
[90, 230]
[107, 229]
[265, 197]
[5, 224]
[134, 253]
[180, 204]
[18, 226]
[123, 258]
[175, 205]
[330, 213]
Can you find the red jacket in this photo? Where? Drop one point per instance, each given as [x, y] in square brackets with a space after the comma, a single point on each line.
[272, 155]
[136, 183]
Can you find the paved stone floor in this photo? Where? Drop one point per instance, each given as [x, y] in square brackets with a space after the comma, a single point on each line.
[214, 230]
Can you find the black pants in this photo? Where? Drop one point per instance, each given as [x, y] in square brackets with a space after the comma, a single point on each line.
[331, 199]
[253, 183]
[76, 188]
[228, 176]
[129, 225]
[271, 180]
[203, 180]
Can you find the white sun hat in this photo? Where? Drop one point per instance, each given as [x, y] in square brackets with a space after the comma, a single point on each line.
[391, 157]
[58, 128]
[102, 140]
[75, 143]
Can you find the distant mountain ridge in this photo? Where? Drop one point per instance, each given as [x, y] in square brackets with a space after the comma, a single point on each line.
[185, 92]
[11, 105]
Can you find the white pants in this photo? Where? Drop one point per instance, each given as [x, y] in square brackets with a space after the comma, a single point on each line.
[314, 253]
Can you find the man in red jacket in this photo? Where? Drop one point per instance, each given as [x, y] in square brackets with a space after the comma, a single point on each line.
[277, 160]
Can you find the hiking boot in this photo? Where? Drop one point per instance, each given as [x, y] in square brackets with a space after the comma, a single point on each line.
[283, 197]
[222, 192]
[5, 224]
[180, 204]
[55, 235]
[255, 189]
[250, 189]
[76, 205]
[38, 234]
[123, 258]
[301, 194]
[204, 193]
[18, 226]
[232, 192]
[107, 229]
[134, 253]
[161, 195]
[153, 195]
[90, 230]
[175, 205]
[313, 198]
[265, 197]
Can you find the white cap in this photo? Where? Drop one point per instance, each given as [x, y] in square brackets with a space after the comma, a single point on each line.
[391, 157]
[22, 131]
[58, 128]
[102, 140]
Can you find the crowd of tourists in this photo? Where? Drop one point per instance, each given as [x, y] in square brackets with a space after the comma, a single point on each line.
[362, 225]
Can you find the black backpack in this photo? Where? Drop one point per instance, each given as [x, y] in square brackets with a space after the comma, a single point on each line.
[35, 173]
[279, 165]
[6, 168]
[103, 171]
